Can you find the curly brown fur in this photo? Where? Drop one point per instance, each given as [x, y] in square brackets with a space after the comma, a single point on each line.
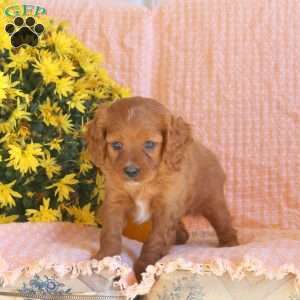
[179, 176]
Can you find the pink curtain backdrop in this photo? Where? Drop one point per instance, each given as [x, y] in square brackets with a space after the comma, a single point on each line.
[231, 68]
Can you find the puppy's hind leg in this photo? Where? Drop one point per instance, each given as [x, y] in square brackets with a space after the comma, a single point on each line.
[217, 213]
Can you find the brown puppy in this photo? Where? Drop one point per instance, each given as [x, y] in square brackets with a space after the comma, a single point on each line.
[154, 169]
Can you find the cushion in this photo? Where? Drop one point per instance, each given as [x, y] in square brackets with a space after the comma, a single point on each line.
[64, 250]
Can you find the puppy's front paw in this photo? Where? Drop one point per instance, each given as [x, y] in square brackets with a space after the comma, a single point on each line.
[99, 255]
[231, 242]
[228, 238]
[139, 268]
[107, 251]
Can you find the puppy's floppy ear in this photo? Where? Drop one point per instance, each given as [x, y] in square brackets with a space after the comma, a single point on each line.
[177, 137]
[95, 136]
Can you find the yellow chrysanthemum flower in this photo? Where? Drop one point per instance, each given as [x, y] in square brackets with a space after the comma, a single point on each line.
[8, 219]
[64, 86]
[84, 55]
[124, 92]
[90, 64]
[103, 75]
[25, 158]
[4, 86]
[68, 67]
[9, 139]
[85, 84]
[45, 214]
[47, 23]
[19, 60]
[78, 133]
[48, 66]
[13, 93]
[99, 189]
[63, 187]
[100, 93]
[5, 42]
[85, 164]
[64, 122]
[119, 92]
[24, 131]
[62, 42]
[7, 194]
[39, 116]
[84, 167]
[19, 113]
[5, 127]
[49, 112]
[77, 101]
[55, 144]
[82, 215]
[50, 165]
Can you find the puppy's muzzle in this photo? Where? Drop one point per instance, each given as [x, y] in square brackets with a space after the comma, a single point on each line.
[132, 171]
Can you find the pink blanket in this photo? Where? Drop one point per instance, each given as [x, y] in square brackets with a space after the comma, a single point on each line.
[66, 249]
[231, 68]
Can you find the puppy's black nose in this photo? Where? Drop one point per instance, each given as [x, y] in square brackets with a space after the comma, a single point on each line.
[131, 171]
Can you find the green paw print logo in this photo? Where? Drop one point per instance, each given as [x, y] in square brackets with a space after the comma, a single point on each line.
[24, 31]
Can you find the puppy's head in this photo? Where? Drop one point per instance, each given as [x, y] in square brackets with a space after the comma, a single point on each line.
[132, 138]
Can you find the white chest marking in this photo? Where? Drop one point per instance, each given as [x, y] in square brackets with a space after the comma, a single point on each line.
[142, 211]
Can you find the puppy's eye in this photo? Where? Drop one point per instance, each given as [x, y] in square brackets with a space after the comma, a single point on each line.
[116, 145]
[149, 145]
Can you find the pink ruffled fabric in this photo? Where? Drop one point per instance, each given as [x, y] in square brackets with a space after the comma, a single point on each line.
[66, 249]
